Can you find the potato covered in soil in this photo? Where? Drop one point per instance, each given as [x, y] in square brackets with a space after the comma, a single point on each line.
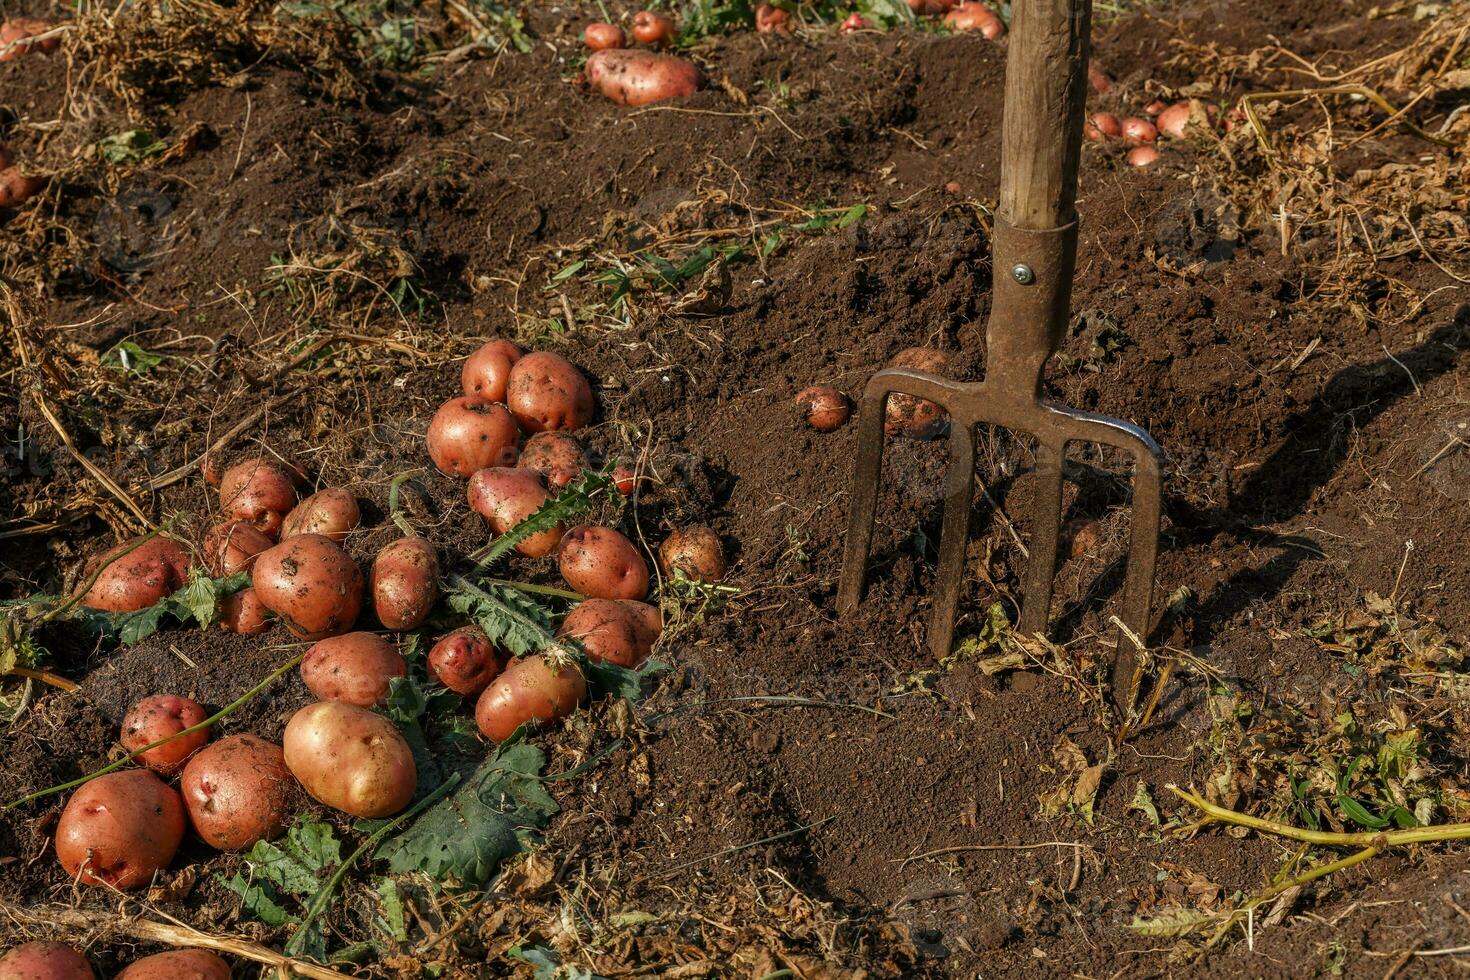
[238, 791]
[557, 456]
[135, 575]
[259, 491]
[972, 16]
[404, 583]
[1102, 126]
[119, 829]
[161, 716]
[771, 19]
[355, 668]
[350, 758]
[652, 27]
[546, 392]
[531, 690]
[243, 613]
[311, 584]
[232, 546]
[824, 408]
[696, 551]
[907, 415]
[602, 563]
[16, 34]
[621, 632]
[45, 961]
[636, 78]
[330, 513]
[505, 497]
[602, 36]
[177, 964]
[469, 434]
[16, 188]
[487, 370]
[464, 661]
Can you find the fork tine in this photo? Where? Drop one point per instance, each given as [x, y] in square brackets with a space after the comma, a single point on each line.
[863, 500]
[1045, 536]
[1143, 554]
[953, 537]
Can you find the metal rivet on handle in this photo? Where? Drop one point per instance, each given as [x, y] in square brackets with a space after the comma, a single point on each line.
[1021, 272]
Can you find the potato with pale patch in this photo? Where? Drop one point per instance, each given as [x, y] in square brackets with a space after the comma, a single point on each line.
[404, 583]
[331, 513]
[244, 614]
[161, 716]
[351, 759]
[120, 829]
[45, 961]
[487, 371]
[177, 964]
[909, 415]
[618, 631]
[637, 78]
[470, 434]
[311, 584]
[259, 491]
[558, 456]
[505, 496]
[134, 575]
[695, 551]
[531, 691]
[602, 563]
[355, 668]
[545, 391]
[239, 791]
[232, 546]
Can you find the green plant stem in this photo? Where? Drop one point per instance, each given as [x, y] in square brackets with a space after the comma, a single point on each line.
[218, 716]
[86, 586]
[1374, 838]
[395, 490]
[1320, 871]
[546, 590]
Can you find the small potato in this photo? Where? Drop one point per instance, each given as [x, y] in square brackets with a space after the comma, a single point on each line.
[505, 497]
[239, 791]
[135, 579]
[470, 434]
[487, 370]
[351, 759]
[355, 668]
[464, 661]
[971, 16]
[161, 716]
[601, 563]
[1139, 131]
[1102, 126]
[770, 19]
[696, 551]
[404, 583]
[119, 829]
[259, 491]
[231, 547]
[652, 27]
[917, 418]
[824, 408]
[1142, 156]
[18, 30]
[330, 513]
[626, 479]
[558, 456]
[932, 7]
[546, 391]
[311, 584]
[243, 613]
[45, 961]
[620, 632]
[177, 964]
[16, 188]
[854, 22]
[601, 37]
[530, 691]
[637, 78]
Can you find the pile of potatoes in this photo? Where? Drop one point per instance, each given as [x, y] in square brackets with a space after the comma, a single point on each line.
[1157, 119]
[58, 961]
[637, 76]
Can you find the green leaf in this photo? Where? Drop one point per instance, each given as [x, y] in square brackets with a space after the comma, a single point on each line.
[257, 901]
[570, 271]
[576, 499]
[606, 679]
[1360, 814]
[1172, 923]
[282, 869]
[128, 356]
[394, 923]
[131, 146]
[1143, 802]
[510, 618]
[314, 845]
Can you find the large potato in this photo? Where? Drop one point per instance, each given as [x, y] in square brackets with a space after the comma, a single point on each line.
[635, 78]
[350, 759]
[161, 716]
[177, 964]
[696, 551]
[243, 613]
[908, 415]
[355, 668]
[238, 791]
[487, 370]
[557, 456]
[45, 961]
[530, 691]
[506, 496]
[330, 513]
[119, 829]
[404, 583]
[311, 584]
[464, 661]
[600, 562]
[232, 546]
[151, 571]
[546, 391]
[259, 491]
[469, 434]
[618, 631]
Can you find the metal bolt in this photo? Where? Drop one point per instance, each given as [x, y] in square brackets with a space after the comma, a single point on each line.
[1021, 272]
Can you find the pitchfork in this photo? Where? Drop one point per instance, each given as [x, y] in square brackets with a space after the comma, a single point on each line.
[1034, 248]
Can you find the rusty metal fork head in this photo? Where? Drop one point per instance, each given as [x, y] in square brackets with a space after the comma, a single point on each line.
[1033, 278]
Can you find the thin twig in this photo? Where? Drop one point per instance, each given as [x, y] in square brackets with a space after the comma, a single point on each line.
[742, 847]
[964, 848]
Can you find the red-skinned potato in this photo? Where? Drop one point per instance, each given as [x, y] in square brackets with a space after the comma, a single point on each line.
[243, 613]
[1102, 126]
[546, 392]
[696, 551]
[652, 27]
[530, 690]
[1142, 156]
[618, 631]
[602, 563]
[137, 579]
[18, 30]
[1098, 79]
[1155, 107]
[770, 19]
[404, 583]
[626, 479]
[854, 22]
[354, 668]
[330, 513]
[932, 7]
[45, 961]
[1137, 130]
[637, 78]
[119, 829]
[917, 418]
[350, 758]
[259, 491]
[464, 661]
[16, 188]
[487, 370]
[1182, 117]
[232, 546]
[469, 434]
[160, 716]
[238, 791]
[824, 408]
[177, 964]
[600, 36]
[505, 496]
[557, 456]
[311, 584]
[972, 16]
